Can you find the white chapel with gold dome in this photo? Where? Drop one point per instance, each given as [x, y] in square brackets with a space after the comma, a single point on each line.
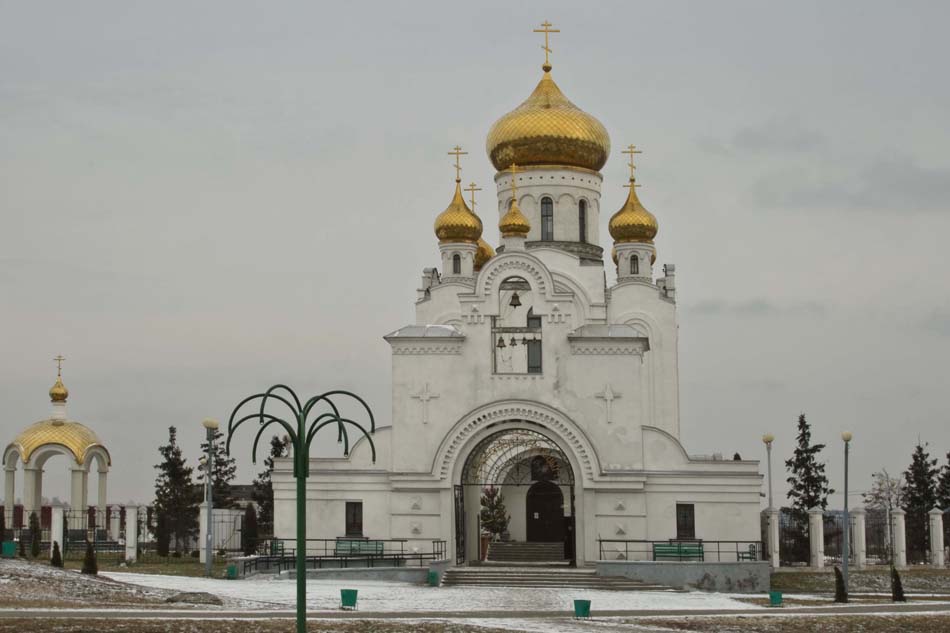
[524, 372]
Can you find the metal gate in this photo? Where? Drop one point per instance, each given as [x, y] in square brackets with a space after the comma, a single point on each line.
[459, 525]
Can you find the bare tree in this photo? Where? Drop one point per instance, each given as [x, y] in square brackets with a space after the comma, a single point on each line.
[886, 495]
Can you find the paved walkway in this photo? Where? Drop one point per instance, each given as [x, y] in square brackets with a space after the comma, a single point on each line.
[231, 614]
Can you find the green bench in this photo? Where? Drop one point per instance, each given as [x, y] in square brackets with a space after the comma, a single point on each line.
[675, 550]
[358, 547]
[752, 554]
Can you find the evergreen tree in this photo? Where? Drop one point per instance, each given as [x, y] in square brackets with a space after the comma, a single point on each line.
[35, 535]
[264, 489]
[897, 587]
[249, 531]
[89, 564]
[943, 486]
[919, 499]
[56, 560]
[841, 593]
[222, 474]
[22, 545]
[494, 517]
[175, 500]
[163, 535]
[809, 485]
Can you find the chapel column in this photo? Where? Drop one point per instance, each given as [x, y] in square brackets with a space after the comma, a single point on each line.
[29, 492]
[101, 499]
[816, 537]
[9, 496]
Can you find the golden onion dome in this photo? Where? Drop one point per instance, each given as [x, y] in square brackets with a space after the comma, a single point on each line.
[73, 436]
[58, 392]
[457, 223]
[633, 223]
[547, 129]
[514, 223]
[483, 254]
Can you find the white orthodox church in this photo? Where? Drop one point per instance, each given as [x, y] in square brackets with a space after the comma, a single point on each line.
[525, 371]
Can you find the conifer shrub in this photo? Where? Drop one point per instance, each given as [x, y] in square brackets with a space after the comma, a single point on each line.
[56, 560]
[34, 535]
[22, 546]
[897, 587]
[841, 592]
[89, 564]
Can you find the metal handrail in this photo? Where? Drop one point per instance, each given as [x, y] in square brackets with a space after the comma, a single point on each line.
[718, 551]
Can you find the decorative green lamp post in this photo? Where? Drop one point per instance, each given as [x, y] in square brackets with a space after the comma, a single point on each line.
[301, 435]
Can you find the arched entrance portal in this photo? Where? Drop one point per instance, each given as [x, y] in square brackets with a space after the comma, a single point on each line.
[534, 481]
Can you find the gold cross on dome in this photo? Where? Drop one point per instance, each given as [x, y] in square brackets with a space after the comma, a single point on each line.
[59, 364]
[631, 150]
[547, 30]
[472, 189]
[514, 187]
[458, 153]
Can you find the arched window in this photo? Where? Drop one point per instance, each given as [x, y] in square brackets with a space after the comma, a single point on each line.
[547, 219]
[582, 221]
[634, 264]
[456, 264]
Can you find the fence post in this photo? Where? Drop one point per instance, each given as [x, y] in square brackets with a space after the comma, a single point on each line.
[131, 533]
[860, 538]
[57, 519]
[936, 537]
[773, 554]
[816, 537]
[115, 522]
[202, 532]
[900, 538]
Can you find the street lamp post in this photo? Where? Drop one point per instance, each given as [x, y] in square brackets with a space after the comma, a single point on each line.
[846, 555]
[301, 435]
[768, 438]
[211, 427]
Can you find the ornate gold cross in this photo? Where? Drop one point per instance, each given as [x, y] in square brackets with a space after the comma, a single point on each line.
[472, 189]
[59, 364]
[631, 150]
[458, 153]
[547, 30]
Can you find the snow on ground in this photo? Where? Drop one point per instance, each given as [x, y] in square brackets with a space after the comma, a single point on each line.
[324, 595]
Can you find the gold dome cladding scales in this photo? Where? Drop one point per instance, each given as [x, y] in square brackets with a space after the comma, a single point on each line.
[514, 223]
[458, 223]
[75, 437]
[58, 392]
[633, 223]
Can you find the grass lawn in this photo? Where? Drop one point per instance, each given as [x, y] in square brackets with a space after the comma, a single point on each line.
[872, 579]
[172, 567]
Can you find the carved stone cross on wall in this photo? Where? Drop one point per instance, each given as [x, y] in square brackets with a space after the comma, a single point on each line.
[609, 396]
[424, 396]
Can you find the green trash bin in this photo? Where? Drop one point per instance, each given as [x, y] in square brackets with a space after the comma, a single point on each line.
[775, 598]
[9, 549]
[231, 572]
[581, 609]
[348, 598]
[433, 578]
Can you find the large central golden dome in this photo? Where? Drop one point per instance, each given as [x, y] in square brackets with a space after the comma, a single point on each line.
[547, 129]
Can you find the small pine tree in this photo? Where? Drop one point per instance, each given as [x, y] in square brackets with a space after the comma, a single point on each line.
[841, 592]
[897, 587]
[175, 497]
[56, 560]
[919, 499]
[35, 535]
[808, 483]
[223, 471]
[22, 546]
[89, 564]
[249, 531]
[494, 517]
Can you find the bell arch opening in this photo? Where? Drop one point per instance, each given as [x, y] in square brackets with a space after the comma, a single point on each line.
[516, 494]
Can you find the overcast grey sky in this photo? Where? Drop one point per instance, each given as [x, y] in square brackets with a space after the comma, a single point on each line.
[198, 200]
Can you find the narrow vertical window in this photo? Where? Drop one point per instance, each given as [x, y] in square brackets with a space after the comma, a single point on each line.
[582, 221]
[534, 344]
[547, 219]
[456, 264]
[354, 518]
[685, 522]
[634, 264]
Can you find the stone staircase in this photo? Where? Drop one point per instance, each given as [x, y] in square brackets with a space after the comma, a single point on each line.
[519, 552]
[540, 577]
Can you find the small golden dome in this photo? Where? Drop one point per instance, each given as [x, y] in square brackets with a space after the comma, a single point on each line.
[75, 437]
[514, 223]
[547, 129]
[457, 223]
[633, 223]
[483, 254]
[58, 392]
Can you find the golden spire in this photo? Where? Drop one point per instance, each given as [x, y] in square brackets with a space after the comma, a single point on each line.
[458, 223]
[58, 392]
[514, 223]
[633, 223]
[547, 30]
